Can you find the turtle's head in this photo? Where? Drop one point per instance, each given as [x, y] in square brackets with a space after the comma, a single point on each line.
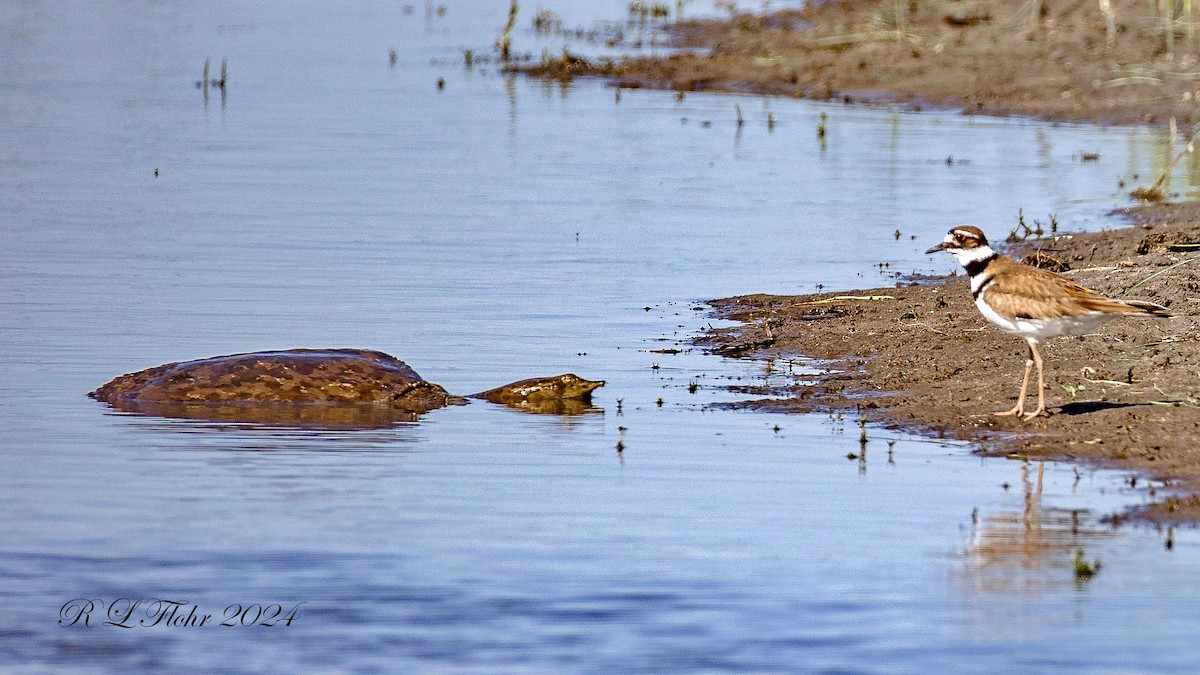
[574, 386]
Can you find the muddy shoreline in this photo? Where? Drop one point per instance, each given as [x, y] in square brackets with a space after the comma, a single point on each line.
[919, 357]
[1067, 62]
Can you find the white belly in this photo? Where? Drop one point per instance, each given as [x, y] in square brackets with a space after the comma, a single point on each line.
[1039, 329]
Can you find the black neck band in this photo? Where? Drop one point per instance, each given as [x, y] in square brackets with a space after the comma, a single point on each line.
[976, 266]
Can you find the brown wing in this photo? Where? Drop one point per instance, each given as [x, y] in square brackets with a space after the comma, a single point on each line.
[1023, 291]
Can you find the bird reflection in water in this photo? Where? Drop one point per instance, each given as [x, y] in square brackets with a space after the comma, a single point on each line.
[1031, 548]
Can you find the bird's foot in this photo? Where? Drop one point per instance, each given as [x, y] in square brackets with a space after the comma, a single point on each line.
[1040, 412]
[1018, 409]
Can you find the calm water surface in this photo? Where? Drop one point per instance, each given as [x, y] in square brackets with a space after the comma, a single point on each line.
[497, 229]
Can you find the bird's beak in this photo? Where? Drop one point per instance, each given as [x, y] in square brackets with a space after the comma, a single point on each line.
[939, 247]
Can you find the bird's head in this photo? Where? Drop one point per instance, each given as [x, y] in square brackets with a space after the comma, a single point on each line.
[967, 243]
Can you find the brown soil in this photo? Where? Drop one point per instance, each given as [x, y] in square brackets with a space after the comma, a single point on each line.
[997, 57]
[920, 357]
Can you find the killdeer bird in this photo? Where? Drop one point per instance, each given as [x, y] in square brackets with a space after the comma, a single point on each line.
[1031, 302]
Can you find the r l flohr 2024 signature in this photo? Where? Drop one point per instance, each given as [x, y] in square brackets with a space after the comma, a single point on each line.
[148, 613]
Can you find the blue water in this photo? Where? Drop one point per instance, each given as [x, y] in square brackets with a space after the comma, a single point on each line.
[496, 229]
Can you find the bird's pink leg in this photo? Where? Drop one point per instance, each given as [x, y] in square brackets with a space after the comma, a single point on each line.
[1019, 408]
[1041, 409]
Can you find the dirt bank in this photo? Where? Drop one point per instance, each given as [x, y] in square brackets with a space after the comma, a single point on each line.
[1054, 60]
[920, 357]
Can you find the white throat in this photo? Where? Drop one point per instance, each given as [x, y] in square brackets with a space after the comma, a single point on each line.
[967, 256]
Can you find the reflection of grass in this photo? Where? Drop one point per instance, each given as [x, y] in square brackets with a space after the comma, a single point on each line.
[1167, 20]
[504, 42]
[1084, 570]
[204, 82]
[546, 22]
[645, 10]
[1191, 21]
[1156, 192]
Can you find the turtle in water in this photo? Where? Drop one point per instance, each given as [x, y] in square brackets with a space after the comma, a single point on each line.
[338, 387]
[566, 394]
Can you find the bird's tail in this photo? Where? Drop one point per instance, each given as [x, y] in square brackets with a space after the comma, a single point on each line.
[1153, 309]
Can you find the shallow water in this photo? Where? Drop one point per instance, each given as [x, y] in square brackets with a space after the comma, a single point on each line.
[497, 229]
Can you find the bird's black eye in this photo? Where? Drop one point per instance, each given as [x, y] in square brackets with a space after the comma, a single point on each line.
[959, 238]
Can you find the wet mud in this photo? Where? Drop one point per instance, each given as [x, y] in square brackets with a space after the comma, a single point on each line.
[919, 357]
[1054, 60]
